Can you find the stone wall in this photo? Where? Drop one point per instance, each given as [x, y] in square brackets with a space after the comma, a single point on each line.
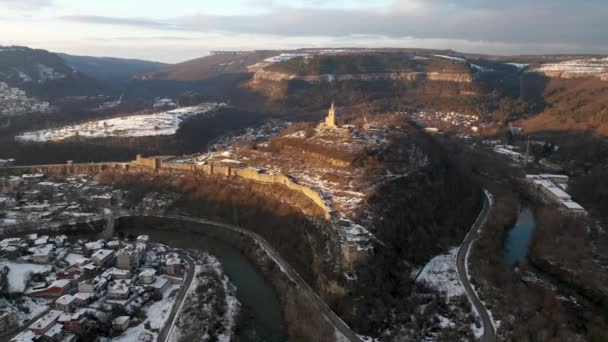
[157, 165]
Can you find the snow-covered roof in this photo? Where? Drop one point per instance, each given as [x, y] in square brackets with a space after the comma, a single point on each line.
[121, 320]
[45, 321]
[572, 205]
[103, 254]
[148, 272]
[54, 331]
[65, 300]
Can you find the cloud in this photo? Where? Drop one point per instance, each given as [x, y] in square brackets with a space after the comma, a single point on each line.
[513, 23]
[26, 4]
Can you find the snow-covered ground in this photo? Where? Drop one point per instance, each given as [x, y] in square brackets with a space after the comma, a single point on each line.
[19, 273]
[14, 101]
[591, 66]
[285, 57]
[458, 59]
[518, 65]
[207, 275]
[441, 273]
[164, 123]
[157, 314]
[25, 308]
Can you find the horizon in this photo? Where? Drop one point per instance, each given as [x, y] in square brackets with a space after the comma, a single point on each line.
[186, 29]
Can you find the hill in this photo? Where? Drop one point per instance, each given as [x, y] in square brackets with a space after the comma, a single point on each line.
[33, 80]
[112, 71]
[216, 64]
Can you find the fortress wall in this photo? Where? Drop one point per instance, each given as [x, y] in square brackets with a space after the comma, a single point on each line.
[63, 169]
[155, 165]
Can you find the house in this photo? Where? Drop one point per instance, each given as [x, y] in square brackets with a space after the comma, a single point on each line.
[573, 207]
[83, 298]
[93, 246]
[72, 322]
[57, 289]
[147, 276]
[60, 240]
[66, 303]
[120, 290]
[143, 238]
[129, 257]
[115, 273]
[114, 244]
[42, 254]
[26, 336]
[93, 286]
[102, 257]
[173, 265]
[7, 320]
[121, 323]
[160, 285]
[46, 322]
[55, 333]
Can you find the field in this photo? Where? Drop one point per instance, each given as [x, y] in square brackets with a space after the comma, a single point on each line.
[164, 123]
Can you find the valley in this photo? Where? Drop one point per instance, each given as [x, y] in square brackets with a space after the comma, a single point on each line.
[368, 192]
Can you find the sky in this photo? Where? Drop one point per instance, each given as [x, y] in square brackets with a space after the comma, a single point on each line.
[177, 30]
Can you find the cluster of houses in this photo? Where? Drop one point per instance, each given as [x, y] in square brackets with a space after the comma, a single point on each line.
[89, 285]
[553, 188]
[436, 121]
[35, 198]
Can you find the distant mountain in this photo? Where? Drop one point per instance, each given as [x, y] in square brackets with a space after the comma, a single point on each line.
[111, 71]
[216, 64]
[32, 80]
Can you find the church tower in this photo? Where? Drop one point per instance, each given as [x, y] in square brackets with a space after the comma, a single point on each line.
[330, 120]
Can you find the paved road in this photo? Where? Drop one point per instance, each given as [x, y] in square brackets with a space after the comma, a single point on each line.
[489, 335]
[348, 334]
[14, 332]
[167, 331]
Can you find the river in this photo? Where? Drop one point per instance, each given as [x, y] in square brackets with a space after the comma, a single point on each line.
[518, 239]
[261, 312]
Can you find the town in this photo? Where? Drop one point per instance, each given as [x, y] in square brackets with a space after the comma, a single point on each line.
[59, 289]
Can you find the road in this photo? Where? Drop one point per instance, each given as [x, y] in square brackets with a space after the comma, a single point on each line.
[489, 333]
[167, 331]
[6, 336]
[339, 325]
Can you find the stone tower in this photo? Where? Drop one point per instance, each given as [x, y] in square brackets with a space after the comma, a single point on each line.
[330, 120]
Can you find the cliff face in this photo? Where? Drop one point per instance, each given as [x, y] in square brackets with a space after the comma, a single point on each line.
[457, 77]
[574, 75]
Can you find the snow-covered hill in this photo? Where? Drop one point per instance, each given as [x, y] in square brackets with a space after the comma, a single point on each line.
[31, 80]
[595, 67]
[164, 123]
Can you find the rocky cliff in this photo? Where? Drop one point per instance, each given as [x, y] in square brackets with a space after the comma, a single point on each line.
[458, 77]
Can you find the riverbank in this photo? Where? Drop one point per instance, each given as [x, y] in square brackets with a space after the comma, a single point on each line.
[303, 319]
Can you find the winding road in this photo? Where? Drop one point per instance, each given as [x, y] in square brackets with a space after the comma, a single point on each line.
[344, 333]
[489, 333]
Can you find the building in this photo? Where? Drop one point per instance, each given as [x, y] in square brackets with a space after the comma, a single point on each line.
[55, 333]
[46, 322]
[147, 276]
[173, 265]
[72, 322]
[330, 120]
[120, 290]
[129, 257]
[66, 303]
[121, 323]
[102, 257]
[93, 286]
[57, 289]
[553, 187]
